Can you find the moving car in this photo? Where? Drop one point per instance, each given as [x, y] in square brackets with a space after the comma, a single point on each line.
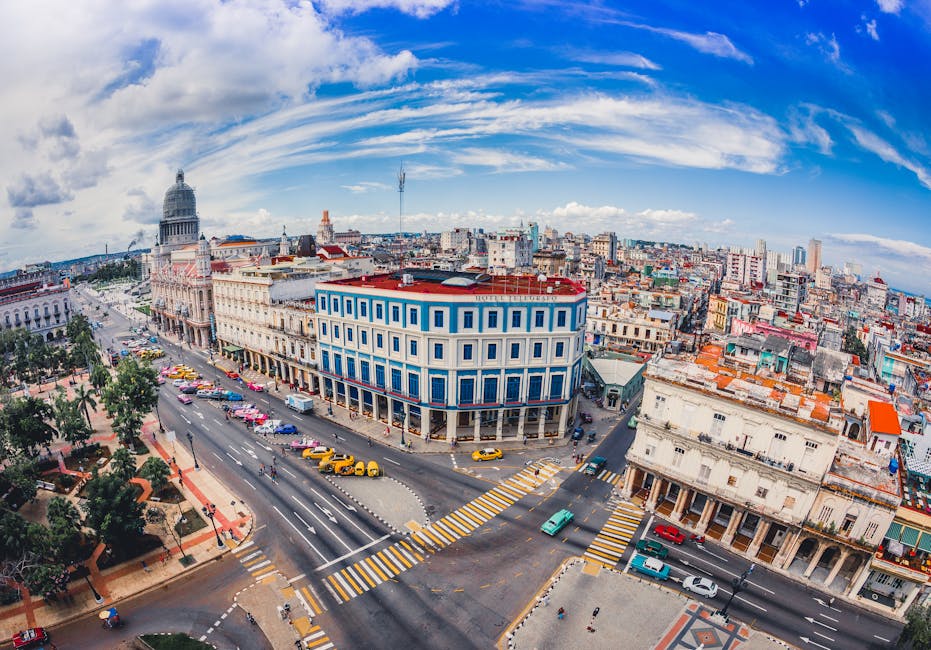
[701, 586]
[578, 433]
[184, 399]
[30, 637]
[188, 389]
[488, 453]
[232, 375]
[585, 417]
[669, 533]
[595, 465]
[178, 383]
[286, 429]
[256, 387]
[233, 397]
[652, 547]
[650, 566]
[557, 522]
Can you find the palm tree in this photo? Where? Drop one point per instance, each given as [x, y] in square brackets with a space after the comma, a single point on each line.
[86, 401]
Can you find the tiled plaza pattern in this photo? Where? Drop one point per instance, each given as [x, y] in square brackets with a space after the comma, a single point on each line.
[610, 543]
[368, 573]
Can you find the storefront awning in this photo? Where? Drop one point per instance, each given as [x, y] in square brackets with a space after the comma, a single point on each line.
[924, 544]
[910, 536]
[232, 349]
[894, 530]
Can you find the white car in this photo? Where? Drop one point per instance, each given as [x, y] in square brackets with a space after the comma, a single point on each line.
[268, 427]
[178, 383]
[700, 586]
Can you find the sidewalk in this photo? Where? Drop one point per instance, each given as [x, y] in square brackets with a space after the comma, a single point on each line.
[199, 488]
[267, 599]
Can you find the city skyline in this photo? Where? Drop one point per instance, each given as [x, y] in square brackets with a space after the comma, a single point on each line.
[565, 115]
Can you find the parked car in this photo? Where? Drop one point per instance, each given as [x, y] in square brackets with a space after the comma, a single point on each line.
[488, 453]
[188, 389]
[557, 522]
[233, 397]
[286, 429]
[652, 547]
[232, 375]
[255, 418]
[318, 453]
[578, 433]
[184, 399]
[178, 383]
[159, 380]
[669, 533]
[595, 465]
[264, 429]
[650, 566]
[256, 387]
[585, 417]
[30, 637]
[701, 586]
[334, 462]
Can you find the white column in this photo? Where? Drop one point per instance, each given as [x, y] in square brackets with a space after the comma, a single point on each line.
[563, 419]
[424, 422]
[844, 554]
[521, 421]
[500, 433]
[477, 425]
[451, 418]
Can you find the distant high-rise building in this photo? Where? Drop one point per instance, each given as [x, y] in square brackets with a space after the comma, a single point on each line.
[605, 245]
[798, 256]
[325, 230]
[761, 248]
[745, 269]
[813, 262]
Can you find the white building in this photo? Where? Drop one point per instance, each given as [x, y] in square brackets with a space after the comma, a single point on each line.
[41, 306]
[508, 252]
[746, 270]
[457, 240]
[457, 356]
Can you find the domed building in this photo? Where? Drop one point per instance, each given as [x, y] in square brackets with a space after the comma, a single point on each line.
[182, 301]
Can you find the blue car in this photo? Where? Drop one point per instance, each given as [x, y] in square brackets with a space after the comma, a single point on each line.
[233, 397]
[286, 428]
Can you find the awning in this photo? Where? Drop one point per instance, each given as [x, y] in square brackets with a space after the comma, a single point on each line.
[232, 349]
[894, 530]
[910, 536]
[924, 544]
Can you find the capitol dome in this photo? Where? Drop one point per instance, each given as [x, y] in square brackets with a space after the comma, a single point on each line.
[179, 225]
[179, 200]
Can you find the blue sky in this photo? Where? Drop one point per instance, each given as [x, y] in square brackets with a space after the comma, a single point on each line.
[695, 122]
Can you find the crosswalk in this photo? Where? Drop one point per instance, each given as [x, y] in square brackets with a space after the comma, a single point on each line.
[254, 560]
[311, 634]
[604, 475]
[612, 540]
[381, 566]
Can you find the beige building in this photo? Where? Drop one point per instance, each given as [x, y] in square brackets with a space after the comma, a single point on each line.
[265, 317]
[624, 327]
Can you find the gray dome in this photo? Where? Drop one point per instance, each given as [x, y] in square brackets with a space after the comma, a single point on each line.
[179, 200]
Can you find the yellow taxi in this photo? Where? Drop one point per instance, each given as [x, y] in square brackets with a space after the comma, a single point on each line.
[488, 453]
[318, 453]
[372, 469]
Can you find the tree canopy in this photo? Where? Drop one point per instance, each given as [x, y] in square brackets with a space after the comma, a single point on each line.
[112, 510]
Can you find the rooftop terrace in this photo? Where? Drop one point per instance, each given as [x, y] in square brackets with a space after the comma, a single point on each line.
[465, 283]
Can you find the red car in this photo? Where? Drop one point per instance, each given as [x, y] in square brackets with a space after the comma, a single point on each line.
[232, 375]
[256, 387]
[669, 533]
[29, 637]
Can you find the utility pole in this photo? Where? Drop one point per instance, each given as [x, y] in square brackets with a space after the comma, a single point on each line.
[401, 178]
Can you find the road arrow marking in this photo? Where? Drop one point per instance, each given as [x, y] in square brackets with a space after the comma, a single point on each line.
[829, 618]
[235, 451]
[291, 523]
[810, 642]
[817, 622]
[234, 459]
[185, 419]
[327, 513]
[199, 414]
[309, 527]
[824, 636]
[346, 506]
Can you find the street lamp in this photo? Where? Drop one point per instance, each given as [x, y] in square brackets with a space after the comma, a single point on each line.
[160, 427]
[210, 510]
[190, 439]
[97, 597]
[737, 584]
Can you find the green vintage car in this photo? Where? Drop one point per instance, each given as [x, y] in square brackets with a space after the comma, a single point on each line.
[557, 522]
[650, 547]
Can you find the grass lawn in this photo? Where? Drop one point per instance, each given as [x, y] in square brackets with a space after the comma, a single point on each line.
[174, 642]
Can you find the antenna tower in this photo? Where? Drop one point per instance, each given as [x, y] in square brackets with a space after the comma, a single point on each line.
[401, 178]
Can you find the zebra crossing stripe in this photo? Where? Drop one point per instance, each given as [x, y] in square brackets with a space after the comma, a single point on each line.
[393, 570]
[400, 556]
[411, 551]
[243, 560]
[470, 516]
[361, 570]
[502, 500]
[443, 530]
[310, 599]
[458, 524]
[341, 586]
[376, 569]
[243, 547]
[384, 567]
[352, 583]
[352, 571]
[403, 551]
[439, 543]
[480, 506]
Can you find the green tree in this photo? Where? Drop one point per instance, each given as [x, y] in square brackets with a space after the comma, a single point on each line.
[123, 464]
[69, 421]
[79, 324]
[917, 632]
[100, 377]
[131, 394]
[156, 472]
[86, 401]
[112, 510]
[65, 529]
[25, 548]
[21, 472]
[853, 345]
[24, 426]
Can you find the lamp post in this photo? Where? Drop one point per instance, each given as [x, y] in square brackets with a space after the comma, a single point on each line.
[160, 427]
[97, 597]
[210, 510]
[190, 439]
[737, 584]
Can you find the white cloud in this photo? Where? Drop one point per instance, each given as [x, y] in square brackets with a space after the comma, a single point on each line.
[898, 247]
[827, 45]
[890, 6]
[418, 8]
[502, 161]
[708, 43]
[873, 143]
[623, 59]
[803, 129]
[870, 27]
[365, 186]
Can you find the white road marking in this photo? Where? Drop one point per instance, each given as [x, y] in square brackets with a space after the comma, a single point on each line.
[348, 507]
[218, 458]
[876, 636]
[323, 498]
[288, 472]
[185, 419]
[361, 548]
[829, 618]
[234, 459]
[817, 622]
[322, 523]
[823, 636]
[391, 461]
[235, 451]
[217, 421]
[291, 523]
[246, 444]
[200, 415]
[296, 578]
[249, 484]
[309, 527]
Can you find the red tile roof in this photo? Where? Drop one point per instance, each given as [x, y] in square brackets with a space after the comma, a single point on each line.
[498, 284]
[883, 418]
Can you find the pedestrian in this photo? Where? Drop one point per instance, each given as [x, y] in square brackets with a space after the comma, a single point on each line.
[387, 431]
[595, 613]
[145, 568]
[536, 472]
[561, 613]
[262, 469]
[370, 442]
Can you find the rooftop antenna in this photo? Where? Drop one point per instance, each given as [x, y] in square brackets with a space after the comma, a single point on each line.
[401, 178]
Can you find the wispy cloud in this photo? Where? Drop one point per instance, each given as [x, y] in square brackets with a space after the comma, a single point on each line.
[713, 43]
[622, 59]
[365, 186]
[503, 161]
[890, 6]
[868, 27]
[898, 247]
[418, 8]
[875, 144]
[827, 45]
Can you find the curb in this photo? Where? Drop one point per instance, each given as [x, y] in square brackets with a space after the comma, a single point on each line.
[331, 481]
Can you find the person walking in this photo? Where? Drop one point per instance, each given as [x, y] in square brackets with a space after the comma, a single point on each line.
[561, 613]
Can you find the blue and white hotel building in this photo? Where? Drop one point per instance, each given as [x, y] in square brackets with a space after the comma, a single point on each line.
[457, 356]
